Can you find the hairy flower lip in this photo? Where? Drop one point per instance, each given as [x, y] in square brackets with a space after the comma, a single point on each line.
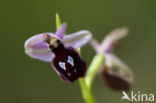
[114, 82]
[80, 70]
[121, 69]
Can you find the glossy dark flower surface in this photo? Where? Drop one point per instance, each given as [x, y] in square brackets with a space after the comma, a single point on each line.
[68, 63]
[114, 82]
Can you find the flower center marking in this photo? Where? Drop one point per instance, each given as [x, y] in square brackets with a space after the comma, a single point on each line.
[75, 70]
[62, 65]
[69, 74]
[70, 60]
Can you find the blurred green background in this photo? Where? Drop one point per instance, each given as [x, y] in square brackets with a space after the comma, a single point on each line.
[25, 80]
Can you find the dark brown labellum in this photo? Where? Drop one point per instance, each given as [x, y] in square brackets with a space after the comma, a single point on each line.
[114, 82]
[67, 63]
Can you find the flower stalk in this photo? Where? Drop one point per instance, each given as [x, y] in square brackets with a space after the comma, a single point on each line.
[93, 69]
[86, 83]
[86, 92]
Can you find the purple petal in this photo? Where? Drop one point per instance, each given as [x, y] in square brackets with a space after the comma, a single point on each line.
[111, 38]
[44, 57]
[77, 39]
[61, 31]
[36, 48]
[94, 43]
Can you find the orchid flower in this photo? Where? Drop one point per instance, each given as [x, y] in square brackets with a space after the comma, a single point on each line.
[61, 51]
[116, 73]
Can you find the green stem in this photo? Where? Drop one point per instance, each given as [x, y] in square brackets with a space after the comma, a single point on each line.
[93, 69]
[86, 93]
[86, 83]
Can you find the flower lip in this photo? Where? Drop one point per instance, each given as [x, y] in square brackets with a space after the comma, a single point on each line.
[116, 74]
[118, 68]
[68, 64]
[114, 82]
